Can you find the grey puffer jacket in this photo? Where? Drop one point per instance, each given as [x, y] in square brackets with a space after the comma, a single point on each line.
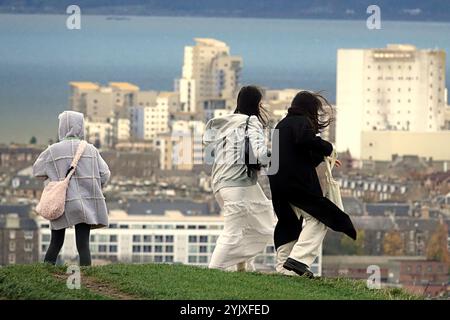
[224, 148]
[85, 202]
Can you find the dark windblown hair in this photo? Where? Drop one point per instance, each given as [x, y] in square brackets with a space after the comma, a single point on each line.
[313, 106]
[249, 103]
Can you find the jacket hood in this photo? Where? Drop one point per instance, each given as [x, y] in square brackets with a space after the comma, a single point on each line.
[71, 124]
[218, 128]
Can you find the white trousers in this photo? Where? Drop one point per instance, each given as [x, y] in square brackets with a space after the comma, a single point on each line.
[249, 221]
[306, 248]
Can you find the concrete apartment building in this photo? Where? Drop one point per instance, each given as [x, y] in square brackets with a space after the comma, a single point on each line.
[182, 147]
[19, 236]
[105, 109]
[391, 101]
[15, 157]
[161, 231]
[150, 115]
[209, 72]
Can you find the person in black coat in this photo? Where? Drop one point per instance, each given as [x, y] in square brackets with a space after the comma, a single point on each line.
[295, 187]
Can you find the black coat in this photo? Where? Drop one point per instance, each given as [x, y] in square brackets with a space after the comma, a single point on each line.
[300, 151]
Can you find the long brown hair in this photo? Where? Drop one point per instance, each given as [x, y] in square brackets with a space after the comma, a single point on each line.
[315, 107]
[249, 103]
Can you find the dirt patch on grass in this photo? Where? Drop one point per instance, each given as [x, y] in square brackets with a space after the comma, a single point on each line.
[99, 287]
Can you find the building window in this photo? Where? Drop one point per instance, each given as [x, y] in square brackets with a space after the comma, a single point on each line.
[46, 238]
[159, 239]
[192, 259]
[136, 249]
[192, 238]
[147, 248]
[203, 249]
[158, 258]
[113, 248]
[169, 238]
[28, 235]
[113, 238]
[28, 246]
[12, 258]
[158, 249]
[147, 238]
[102, 248]
[136, 238]
[12, 246]
[203, 239]
[12, 234]
[169, 259]
[203, 259]
[169, 248]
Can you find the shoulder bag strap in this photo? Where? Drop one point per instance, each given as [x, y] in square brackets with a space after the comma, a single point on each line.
[329, 163]
[76, 158]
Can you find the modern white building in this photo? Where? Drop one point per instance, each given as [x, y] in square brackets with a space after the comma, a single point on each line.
[99, 133]
[182, 147]
[397, 92]
[209, 72]
[155, 235]
[150, 116]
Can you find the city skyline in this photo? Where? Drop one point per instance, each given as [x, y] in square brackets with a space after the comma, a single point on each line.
[148, 86]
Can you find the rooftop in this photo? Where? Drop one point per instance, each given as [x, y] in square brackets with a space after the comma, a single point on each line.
[22, 211]
[125, 86]
[159, 207]
[84, 85]
[168, 216]
[210, 42]
[381, 209]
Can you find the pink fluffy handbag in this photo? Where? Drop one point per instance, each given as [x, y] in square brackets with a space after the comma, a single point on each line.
[53, 199]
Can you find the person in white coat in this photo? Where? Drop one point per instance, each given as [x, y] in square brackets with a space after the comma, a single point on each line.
[249, 218]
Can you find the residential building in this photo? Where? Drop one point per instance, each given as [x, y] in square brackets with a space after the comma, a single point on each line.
[150, 116]
[25, 185]
[78, 94]
[19, 236]
[17, 157]
[160, 231]
[105, 108]
[101, 134]
[129, 164]
[209, 72]
[183, 147]
[389, 97]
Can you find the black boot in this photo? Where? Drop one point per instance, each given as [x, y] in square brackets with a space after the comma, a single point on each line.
[299, 268]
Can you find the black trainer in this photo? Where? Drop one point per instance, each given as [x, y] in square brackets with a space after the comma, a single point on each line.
[299, 268]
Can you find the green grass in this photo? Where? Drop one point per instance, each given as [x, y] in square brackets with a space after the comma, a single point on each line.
[161, 281]
[38, 282]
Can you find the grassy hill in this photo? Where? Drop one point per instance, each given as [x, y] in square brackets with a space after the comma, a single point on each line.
[166, 282]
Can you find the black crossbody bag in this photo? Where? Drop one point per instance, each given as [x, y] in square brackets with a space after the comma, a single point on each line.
[248, 153]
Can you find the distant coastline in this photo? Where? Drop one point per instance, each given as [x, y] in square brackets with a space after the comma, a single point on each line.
[129, 14]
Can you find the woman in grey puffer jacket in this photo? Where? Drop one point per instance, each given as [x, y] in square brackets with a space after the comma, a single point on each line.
[85, 204]
[248, 214]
